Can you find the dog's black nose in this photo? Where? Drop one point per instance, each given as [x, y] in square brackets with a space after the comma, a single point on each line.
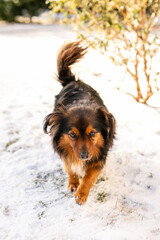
[84, 155]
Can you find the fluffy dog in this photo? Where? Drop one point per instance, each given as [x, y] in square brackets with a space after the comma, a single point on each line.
[81, 127]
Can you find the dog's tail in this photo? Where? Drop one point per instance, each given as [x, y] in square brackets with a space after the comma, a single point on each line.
[69, 54]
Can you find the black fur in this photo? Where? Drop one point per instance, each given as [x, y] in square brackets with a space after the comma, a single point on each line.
[78, 104]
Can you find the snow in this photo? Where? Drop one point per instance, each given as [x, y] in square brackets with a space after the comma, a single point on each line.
[34, 201]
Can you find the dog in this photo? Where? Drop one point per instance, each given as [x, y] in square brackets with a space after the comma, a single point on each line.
[81, 127]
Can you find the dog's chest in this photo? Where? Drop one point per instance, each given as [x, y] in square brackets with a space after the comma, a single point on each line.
[78, 169]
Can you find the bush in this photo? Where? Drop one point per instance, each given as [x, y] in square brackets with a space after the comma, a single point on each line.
[10, 9]
[124, 25]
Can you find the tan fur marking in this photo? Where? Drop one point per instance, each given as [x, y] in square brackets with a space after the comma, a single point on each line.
[90, 129]
[73, 178]
[65, 144]
[86, 183]
[75, 130]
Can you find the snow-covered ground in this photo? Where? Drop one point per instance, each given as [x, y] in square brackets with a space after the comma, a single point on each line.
[124, 204]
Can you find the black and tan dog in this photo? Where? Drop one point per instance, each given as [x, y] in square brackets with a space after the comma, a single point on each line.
[81, 127]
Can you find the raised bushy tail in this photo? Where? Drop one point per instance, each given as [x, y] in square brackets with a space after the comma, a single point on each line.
[69, 54]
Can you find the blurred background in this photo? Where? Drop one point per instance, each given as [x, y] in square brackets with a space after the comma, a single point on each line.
[21, 10]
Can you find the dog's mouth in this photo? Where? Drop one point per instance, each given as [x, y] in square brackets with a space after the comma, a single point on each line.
[86, 159]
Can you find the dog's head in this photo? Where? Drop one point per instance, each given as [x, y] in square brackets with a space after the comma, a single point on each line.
[80, 133]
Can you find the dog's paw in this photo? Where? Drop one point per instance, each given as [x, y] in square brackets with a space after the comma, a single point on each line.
[80, 197]
[72, 187]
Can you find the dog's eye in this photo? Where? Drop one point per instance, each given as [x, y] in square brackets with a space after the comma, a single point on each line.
[73, 135]
[92, 134]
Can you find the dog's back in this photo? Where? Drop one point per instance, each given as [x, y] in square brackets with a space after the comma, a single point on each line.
[75, 92]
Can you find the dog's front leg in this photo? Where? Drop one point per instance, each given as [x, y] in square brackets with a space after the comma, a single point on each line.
[87, 182]
[73, 179]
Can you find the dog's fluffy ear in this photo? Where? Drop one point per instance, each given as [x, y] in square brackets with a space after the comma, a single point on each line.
[48, 122]
[108, 125]
[52, 120]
